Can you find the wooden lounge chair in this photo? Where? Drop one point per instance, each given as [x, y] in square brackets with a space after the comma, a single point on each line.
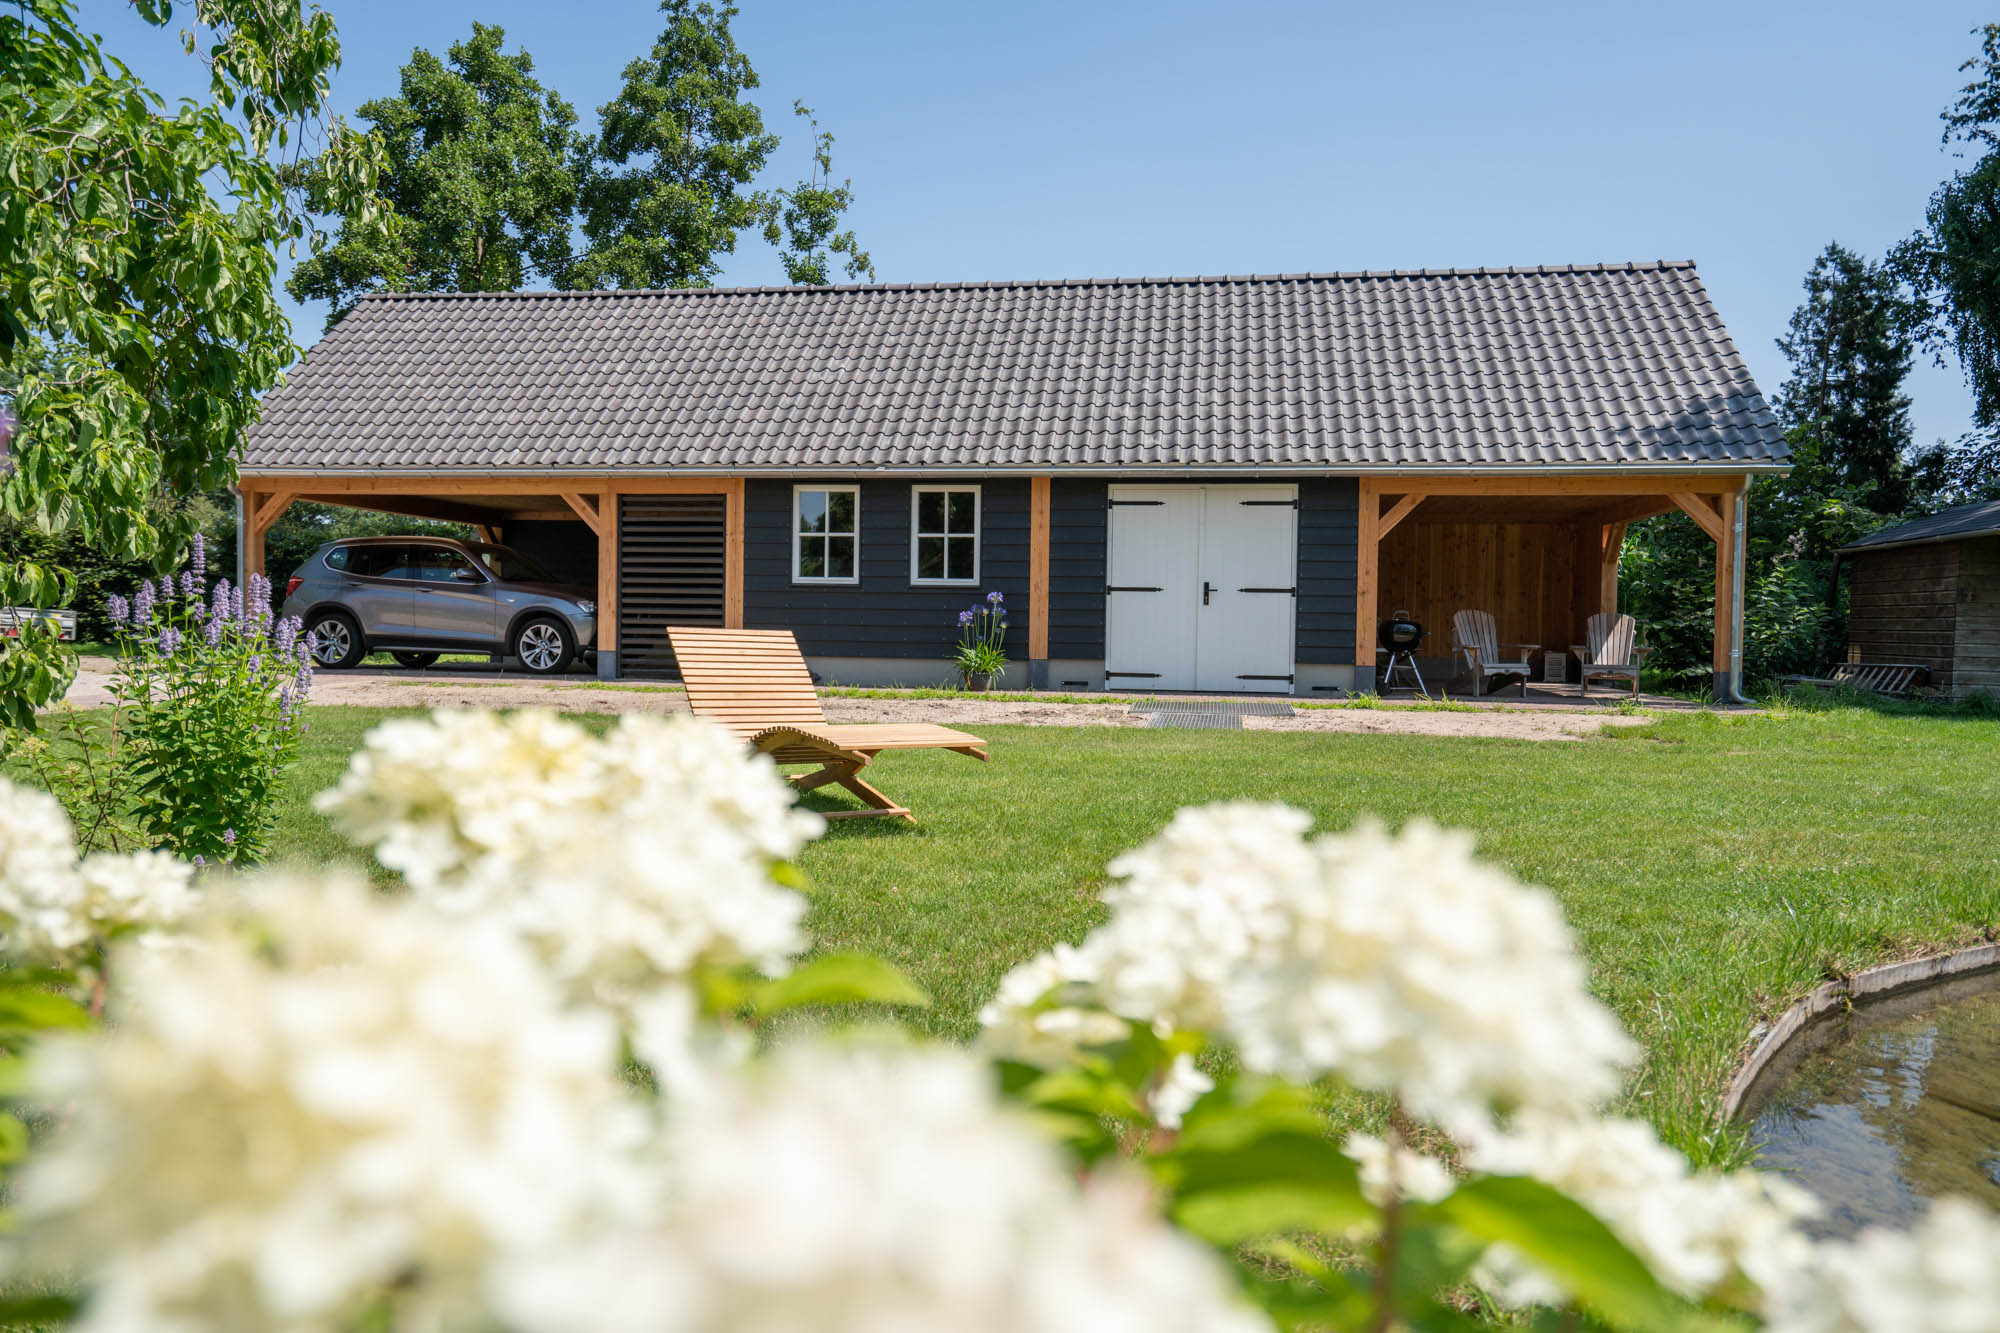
[1894, 679]
[755, 682]
[1612, 651]
[1477, 638]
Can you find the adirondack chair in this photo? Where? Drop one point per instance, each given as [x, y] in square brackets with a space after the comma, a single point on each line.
[1612, 652]
[1476, 637]
[755, 683]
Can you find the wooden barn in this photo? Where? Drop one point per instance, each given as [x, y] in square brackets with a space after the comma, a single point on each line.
[1928, 593]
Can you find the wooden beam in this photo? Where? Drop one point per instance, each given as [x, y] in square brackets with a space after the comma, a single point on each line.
[1611, 549]
[271, 510]
[607, 572]
[1726, 591]
[1038, 568]
[447, 511]
[732, 554]
[1397, 514]
[1367, 561]
[1701, 484]
[488, 532]
[1628, 511]
[585, 510]
[1696, 508]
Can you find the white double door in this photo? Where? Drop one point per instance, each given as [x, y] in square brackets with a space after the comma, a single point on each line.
[1201, 587]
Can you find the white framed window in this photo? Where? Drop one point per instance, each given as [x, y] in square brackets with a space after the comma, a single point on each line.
[826, 534]
[944, 534]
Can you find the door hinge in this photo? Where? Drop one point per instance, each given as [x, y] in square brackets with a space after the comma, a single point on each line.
[1271, 504]
[1283, 678]
[1109, 588]
[1113, 504]
[1289, 592]
[1148, 675]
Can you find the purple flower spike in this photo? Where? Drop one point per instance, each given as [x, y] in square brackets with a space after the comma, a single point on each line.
[285, 635]
[993, 597]
[257, 664]
[190, 585]
[198, 557]
[229, 837]
[219, 602]
[118, 609]
[211, 633]
[257, 599]
[142, 605]
[169, 640]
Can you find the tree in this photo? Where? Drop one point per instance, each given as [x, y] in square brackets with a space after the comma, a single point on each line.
[1953, 260]
[667, 187]
[480, 175]
[138, 321]
[1850, 349]
[803, 219]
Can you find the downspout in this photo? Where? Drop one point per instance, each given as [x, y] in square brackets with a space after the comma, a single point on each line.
[1733, 691]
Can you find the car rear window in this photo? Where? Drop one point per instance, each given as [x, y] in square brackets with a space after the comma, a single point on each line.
[337, 557]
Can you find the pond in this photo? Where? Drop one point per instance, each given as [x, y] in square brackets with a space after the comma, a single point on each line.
[1891, 1106]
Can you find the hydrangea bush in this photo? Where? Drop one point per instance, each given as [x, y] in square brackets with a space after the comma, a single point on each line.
[209, 689]
[321, 1107]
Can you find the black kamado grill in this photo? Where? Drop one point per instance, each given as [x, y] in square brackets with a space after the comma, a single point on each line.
[1399, 636]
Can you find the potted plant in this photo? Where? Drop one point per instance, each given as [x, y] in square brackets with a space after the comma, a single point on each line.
[981, 632]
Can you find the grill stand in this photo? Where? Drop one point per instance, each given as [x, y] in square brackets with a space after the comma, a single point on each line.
[1403, 660]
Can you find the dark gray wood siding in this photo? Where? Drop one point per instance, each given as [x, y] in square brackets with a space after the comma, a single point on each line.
[568, 550]
[1903, 607]
[1328, 509]
[1076, 568]
[882, 615]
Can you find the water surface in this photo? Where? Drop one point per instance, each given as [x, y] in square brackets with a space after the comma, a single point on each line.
[1892, 1106]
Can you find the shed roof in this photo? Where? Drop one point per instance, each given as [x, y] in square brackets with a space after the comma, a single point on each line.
[1574, 368]
[1981, 519]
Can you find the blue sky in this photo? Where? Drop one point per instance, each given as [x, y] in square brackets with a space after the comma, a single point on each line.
[1044, 140]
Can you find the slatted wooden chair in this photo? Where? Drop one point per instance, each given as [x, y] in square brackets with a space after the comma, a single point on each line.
[1612, 650]
[755, 682]
[1476, 637]
[1890, 678]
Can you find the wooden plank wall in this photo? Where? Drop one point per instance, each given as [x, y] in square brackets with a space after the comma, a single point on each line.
[1903, 607]
[1523, 573]
[1976, 661]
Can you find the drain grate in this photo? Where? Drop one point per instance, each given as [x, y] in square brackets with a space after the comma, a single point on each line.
[1170, 717]
[1226, 707]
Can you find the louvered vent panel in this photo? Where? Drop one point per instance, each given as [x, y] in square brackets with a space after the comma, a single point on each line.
[671, 552]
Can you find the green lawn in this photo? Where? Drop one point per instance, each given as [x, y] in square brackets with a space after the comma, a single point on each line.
[1714, 866]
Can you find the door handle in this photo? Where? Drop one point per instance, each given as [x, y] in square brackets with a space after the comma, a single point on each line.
[1206, 589]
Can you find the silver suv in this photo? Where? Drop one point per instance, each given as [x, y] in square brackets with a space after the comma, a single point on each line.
[418, 597]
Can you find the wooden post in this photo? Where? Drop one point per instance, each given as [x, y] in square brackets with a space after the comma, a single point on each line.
[1038, 570]
[1367, 560]
[1728, 588]
[1611, 550]
[732, 554]
[250, 538]
[607, 572]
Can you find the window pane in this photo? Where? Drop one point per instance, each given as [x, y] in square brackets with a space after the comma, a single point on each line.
[930, 511]
[337, 557]
[397, 562]
[840, 557]
[930, 557]
[840, 511]
[812, 557]
[961, 557]
[964, 506]
[812, 511]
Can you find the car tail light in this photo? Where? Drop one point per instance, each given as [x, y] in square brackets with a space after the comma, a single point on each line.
[292, 584]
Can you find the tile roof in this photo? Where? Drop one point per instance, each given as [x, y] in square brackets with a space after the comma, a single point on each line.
[1572, 367]
[1947, 525]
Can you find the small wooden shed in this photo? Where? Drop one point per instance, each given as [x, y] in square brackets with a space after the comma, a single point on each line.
[1928, 592]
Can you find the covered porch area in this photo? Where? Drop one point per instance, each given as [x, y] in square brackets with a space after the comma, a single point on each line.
[1538, 553]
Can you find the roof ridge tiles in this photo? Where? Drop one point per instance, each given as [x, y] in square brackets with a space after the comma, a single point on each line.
[1032, 284]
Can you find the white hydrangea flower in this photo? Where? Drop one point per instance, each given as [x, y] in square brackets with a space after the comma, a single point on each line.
[1941, 1277]
[1400, 963]
[299, 1110]
[1177, 1091]
[52, 906]
[1394, 1171]
[1027, 1020]
[628, 861]
[883, 1190]
[1697, 1231]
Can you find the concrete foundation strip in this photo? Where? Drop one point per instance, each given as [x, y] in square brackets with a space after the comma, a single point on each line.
[1835, 998]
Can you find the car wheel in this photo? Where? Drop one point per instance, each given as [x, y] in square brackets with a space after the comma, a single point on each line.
[544, 646]
[414, 659]
[337, 641]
